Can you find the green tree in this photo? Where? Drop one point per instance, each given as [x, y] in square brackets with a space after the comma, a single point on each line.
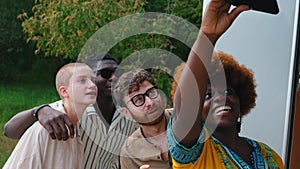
[61, 27]
[18, 61]
[12, 44]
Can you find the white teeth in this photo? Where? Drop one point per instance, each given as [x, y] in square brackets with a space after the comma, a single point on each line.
[223, 108]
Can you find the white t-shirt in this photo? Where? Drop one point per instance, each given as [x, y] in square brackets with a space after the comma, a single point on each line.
[36, 150]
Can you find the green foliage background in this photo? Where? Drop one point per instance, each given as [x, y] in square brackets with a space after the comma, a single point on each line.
[61, 28]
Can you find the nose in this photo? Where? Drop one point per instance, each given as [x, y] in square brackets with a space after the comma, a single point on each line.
[112, 77]
[220, 97]
[92, 84]
[148, 102]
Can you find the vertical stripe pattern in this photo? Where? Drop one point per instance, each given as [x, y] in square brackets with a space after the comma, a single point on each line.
[101, 146]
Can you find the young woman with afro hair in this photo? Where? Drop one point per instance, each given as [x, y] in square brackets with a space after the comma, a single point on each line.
[219, 144]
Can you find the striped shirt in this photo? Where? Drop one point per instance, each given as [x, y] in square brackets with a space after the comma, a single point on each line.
[103, 143]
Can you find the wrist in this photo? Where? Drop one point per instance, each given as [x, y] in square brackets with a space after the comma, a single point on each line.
[37, 109]
[211, 36]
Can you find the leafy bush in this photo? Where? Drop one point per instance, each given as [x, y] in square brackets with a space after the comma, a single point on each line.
[14, 51]
[61, 28]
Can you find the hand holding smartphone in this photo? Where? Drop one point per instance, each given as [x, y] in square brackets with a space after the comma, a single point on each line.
[268, 6]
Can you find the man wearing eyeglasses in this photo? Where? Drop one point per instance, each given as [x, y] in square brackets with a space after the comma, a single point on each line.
[103, 127]
[138, 98]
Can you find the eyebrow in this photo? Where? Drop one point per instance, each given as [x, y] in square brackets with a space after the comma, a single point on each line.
[86, 76]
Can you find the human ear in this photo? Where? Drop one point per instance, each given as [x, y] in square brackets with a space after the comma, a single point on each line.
[125, 111]
[63, 91]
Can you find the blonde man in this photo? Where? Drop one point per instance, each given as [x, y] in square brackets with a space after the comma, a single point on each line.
[76, 87]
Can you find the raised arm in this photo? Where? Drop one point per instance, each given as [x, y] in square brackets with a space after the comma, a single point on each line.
[54, 121]
[189, 97]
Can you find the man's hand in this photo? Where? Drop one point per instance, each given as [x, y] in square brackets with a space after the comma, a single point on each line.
[217, 18]
[58, 124]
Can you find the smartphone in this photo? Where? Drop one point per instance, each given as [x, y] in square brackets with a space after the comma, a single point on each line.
[268, 6]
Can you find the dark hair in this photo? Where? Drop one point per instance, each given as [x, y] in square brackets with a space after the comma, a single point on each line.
[130, 82]
[93, 60]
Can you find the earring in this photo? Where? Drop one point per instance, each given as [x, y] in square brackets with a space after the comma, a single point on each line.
[239, 120]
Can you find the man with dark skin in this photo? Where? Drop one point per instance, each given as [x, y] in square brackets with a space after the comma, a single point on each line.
[100, 124]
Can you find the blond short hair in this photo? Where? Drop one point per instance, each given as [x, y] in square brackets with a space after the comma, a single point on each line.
[65, 73]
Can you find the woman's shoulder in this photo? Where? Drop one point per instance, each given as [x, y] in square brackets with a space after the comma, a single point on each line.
[259, 144]
[271, 156]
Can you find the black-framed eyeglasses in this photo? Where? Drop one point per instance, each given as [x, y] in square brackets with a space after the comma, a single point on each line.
[139, 99]
[105, 73]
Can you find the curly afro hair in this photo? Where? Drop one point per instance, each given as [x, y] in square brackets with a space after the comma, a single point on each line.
[239, 77]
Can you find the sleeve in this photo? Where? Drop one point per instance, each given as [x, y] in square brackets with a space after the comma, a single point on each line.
[56, 104]
[180, 153]
[26, 154]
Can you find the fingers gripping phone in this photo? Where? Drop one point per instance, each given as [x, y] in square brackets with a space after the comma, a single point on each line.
[268, 6]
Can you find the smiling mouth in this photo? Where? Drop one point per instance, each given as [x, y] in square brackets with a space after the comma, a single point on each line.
[223, 109]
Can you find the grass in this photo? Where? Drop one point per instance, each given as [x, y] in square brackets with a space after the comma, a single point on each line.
[16, 98]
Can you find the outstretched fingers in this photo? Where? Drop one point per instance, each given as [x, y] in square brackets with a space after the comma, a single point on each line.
[218, 17]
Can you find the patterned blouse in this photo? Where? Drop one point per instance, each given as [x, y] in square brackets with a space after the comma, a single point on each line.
[210, 153]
